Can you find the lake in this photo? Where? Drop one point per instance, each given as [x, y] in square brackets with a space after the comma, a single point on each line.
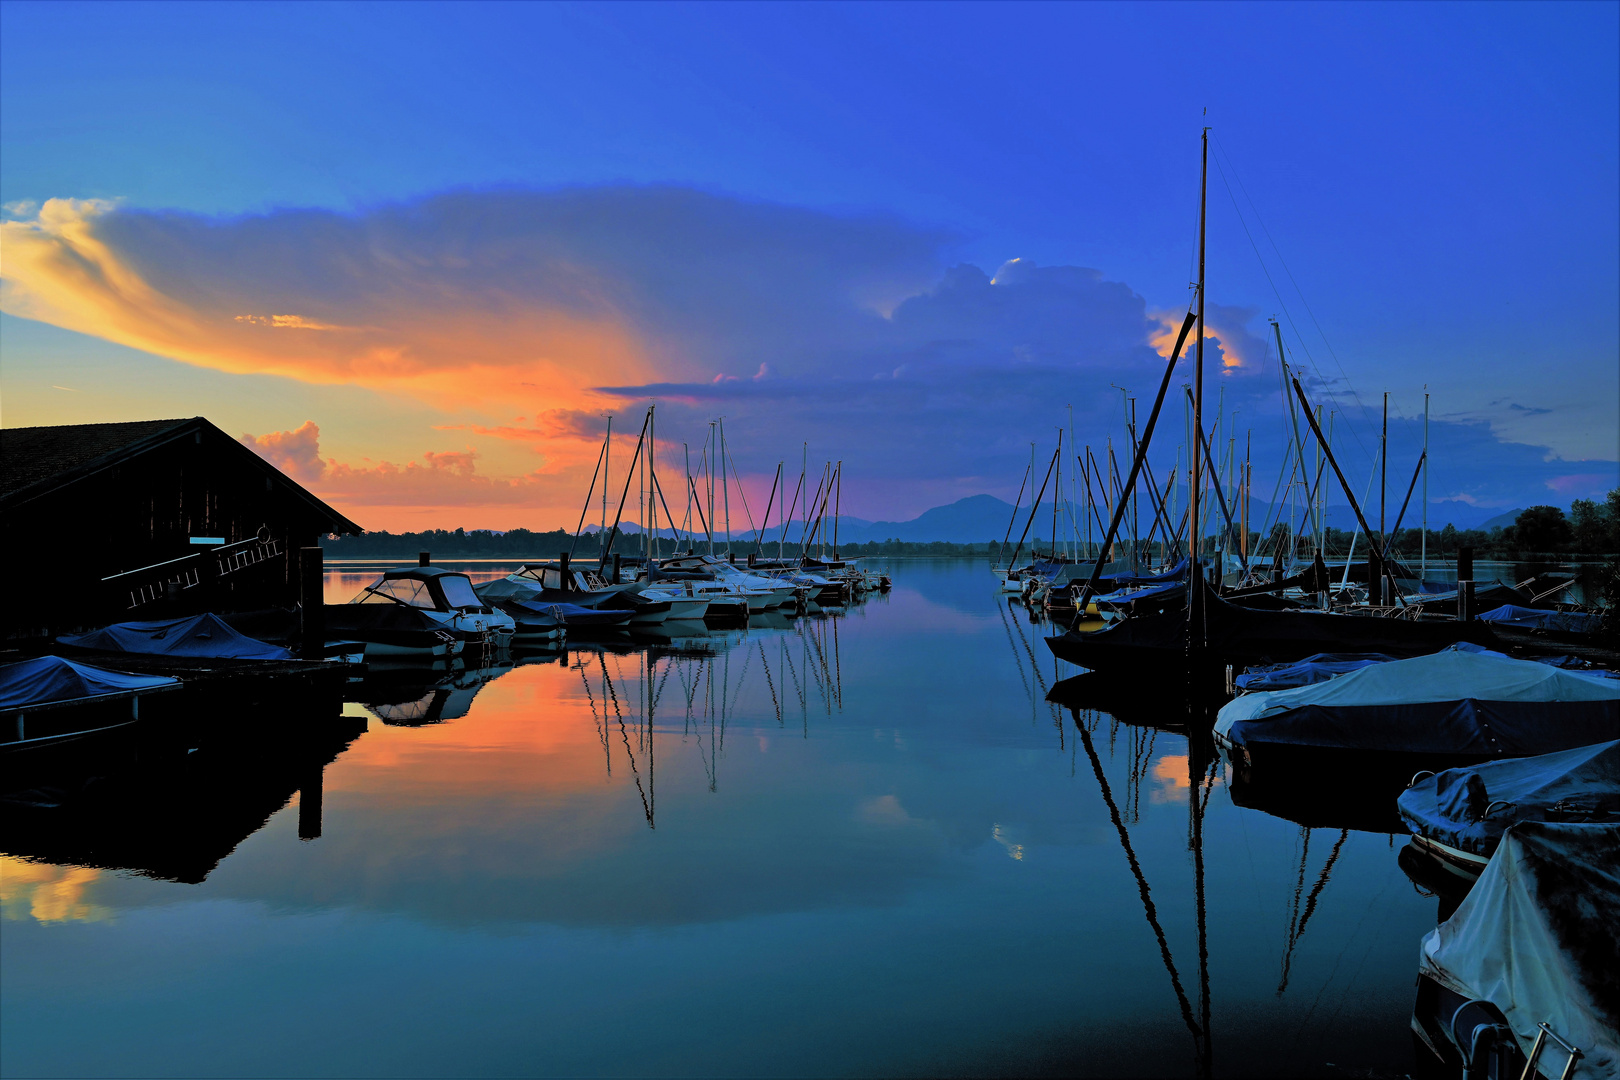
[852, 843]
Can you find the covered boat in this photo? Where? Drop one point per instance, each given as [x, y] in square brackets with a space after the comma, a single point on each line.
[1460, 815]
[50, 700]
[1319, 667]
[204, 636]
[1526, 967]
[1456, 707]
[1568, 622]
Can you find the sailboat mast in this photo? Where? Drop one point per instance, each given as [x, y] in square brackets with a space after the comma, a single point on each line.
[1195, 594]
[725, 483]
[607, 454]
[1423, 558]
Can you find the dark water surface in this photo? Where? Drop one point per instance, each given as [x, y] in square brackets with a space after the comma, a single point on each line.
[856, 844]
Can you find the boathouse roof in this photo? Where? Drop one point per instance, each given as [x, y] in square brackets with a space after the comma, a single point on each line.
[36, 461]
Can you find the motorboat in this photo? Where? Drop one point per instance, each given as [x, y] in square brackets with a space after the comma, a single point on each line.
[542, 620]
[394, 632]
[711, 577]
[1460, 815]
[1456, 707]
[445, 598]
[548, 583]
[50, 700]
[1520, 979]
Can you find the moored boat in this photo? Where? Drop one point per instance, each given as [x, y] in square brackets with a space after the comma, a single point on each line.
[1460, 815]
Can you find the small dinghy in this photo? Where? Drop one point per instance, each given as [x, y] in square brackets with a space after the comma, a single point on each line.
[48, 700]
[1453, 708]
[1523, 972]
[204, 636]
[1460, 815]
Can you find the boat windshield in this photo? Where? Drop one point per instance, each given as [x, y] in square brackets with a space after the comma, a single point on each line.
[408, 591]
[458, 591]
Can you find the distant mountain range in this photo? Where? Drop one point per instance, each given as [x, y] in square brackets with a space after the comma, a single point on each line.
[979, 518]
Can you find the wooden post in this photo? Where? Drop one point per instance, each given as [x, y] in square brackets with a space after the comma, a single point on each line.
[424, 558]
[1375, 578]
[617, 561]
[1465, 584]
[562, 575]
[311, 602]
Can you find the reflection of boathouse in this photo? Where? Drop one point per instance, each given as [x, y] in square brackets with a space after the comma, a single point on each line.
[127, 521]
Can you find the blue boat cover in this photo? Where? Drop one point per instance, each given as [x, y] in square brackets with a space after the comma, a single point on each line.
[1457, 701]
[1535, 937]
[46, 679]
[1132, 594]
[1313, 669]
[1177, 572]
[562, 613]
[1572, 785]
[205, 635]
[1571, 622]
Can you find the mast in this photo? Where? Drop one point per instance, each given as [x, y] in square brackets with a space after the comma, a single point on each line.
[725, 483]
[607, 454]
[1383, 472]
[1057, 494]
[1195, 592]
[1423, 558]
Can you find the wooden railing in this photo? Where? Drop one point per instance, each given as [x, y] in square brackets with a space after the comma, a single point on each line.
[151, 583]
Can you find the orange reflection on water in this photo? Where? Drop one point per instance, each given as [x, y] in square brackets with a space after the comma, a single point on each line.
[1171, 779]
[49, 893]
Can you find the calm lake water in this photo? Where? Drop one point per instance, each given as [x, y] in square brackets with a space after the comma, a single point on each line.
[852, 844]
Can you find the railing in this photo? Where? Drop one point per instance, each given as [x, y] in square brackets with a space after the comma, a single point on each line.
[151, 583]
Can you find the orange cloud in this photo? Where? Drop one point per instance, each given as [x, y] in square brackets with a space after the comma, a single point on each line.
[1228, 339]
[393, 324]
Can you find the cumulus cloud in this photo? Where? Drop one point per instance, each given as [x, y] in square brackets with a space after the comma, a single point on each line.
[525, 315]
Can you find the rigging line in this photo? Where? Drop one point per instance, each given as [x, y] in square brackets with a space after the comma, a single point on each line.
[608, 679]
[775, 703]
[1016, 658]
[732, 458]
[601, 728]
[580, 528]
[1278, 293]
[1261, 221]
[1148, 907]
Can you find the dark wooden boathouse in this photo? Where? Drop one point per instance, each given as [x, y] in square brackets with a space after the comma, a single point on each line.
[102, 523]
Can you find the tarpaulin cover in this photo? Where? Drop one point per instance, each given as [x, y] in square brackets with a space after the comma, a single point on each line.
[50, 678]
[1150, 592]
[533, 612]
[205, 635]
[1313, 669]
[1570, 622]
[1535, 937]
[1455, 701]
[1573, 785]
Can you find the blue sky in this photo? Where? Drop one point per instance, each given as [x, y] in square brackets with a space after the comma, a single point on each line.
[1433, 187]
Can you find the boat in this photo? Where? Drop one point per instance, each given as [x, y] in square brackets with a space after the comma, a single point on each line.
[1318, 667]
[394, 631]
[548, 583]
[1520, 980]
[204, 636]
[1157, 645]
[712, 577]
[1455, 707]
[50, 700]
[444, 598]
[543, 620]
[1460, 815]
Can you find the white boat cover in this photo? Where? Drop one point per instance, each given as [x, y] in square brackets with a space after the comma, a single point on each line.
[1450, 675]
[46, 679]
[1536, 938]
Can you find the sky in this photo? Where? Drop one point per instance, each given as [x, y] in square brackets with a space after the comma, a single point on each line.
[415, 254]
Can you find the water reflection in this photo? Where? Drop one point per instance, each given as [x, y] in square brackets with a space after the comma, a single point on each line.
[878, 822]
